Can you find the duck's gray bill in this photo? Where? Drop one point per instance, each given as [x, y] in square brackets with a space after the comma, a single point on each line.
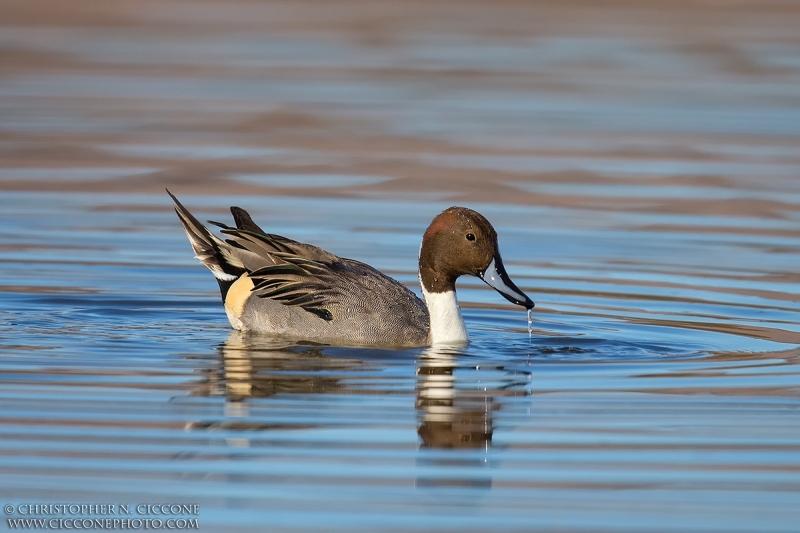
[496, 277]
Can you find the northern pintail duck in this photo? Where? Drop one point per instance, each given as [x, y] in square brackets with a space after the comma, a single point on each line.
[271, 284]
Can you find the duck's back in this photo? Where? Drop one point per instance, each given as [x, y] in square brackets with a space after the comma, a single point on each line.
[352, 302]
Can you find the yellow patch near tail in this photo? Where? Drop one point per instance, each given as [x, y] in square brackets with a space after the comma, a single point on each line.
[235, 300]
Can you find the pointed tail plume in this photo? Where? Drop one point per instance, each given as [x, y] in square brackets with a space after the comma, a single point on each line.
[209, 249]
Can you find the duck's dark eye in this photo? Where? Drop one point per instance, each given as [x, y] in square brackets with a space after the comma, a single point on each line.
[470, 237]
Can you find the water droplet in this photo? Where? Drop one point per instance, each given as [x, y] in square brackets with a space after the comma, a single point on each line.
[530, 323]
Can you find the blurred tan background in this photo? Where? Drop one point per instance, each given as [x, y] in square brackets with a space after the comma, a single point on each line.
[616, 105]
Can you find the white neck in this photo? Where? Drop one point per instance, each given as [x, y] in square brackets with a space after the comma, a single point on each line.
[447, 326]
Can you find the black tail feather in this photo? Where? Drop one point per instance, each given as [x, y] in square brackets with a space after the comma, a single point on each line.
[244, 221]
[208, 249]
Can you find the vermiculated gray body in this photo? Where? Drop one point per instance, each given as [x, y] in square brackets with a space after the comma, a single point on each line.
[366, 307]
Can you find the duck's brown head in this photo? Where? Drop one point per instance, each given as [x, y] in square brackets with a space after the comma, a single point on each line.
[461, 241]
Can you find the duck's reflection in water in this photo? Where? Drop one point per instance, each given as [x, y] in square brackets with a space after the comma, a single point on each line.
[450, 418]
[257, 366]
[453, 412]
